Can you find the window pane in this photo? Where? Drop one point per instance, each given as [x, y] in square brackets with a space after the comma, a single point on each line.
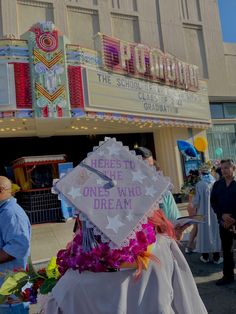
[221, 136]
[230, 111]
[195, 48]
[125, 27]
[216, 111]
[30, 13]
[83, 25]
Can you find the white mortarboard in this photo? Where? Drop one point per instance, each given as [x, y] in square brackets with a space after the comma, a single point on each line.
[114, 191]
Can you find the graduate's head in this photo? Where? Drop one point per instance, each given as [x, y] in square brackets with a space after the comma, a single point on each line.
[205, 168]
[146, 154]
[5, 188]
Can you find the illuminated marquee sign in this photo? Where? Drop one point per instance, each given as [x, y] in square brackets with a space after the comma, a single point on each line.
[140, 61]
[110, 92]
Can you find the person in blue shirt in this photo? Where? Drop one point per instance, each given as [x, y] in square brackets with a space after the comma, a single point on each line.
[15, 231]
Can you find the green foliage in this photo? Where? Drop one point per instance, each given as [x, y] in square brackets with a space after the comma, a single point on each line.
[190, 182]
[13, 283]
[3, 298]
[31, 270]
[42, 280]
[47, 285]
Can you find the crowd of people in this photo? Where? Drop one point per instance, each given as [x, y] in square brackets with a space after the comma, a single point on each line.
[167, 286]
[214, 198]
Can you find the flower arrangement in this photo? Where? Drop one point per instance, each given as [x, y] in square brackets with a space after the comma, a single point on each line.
[188, 188]
[101, 257]
[41, 281]
[28, 285]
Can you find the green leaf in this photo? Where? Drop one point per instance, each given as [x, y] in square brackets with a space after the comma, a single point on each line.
[19, 276]
[3, 298]
[21, 279]
[47, 285]
[14, 283]
[31, 270]
[8, 286]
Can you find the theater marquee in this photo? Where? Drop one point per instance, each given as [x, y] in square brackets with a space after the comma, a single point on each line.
[110, 92]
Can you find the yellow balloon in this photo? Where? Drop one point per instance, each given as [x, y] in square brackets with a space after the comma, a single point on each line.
[200, 143]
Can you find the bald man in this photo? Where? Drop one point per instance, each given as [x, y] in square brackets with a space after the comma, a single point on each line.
[15, 233]
[14, 230]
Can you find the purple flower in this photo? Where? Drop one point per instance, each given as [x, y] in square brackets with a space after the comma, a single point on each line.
[102, 258]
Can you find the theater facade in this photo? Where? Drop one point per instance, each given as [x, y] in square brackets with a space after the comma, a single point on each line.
[51, 87]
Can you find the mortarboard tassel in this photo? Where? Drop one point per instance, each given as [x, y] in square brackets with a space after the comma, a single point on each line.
[89, 241]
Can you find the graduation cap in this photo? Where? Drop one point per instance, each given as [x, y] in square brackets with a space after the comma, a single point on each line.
[114, 191]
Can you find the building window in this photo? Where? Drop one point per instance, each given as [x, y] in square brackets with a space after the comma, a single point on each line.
[217, 111]
[195, 48]
[115, 4]
[223, 110]
[125, 6]
[32, 12]
[230, 111]
[221, 141]
[191, 10]
[125, 27]
[83, 25]
[135, 6]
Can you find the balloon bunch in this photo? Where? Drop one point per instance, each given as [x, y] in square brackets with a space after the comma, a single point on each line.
[187, 148]
[199, 145]
[218, 151]
[191, 150]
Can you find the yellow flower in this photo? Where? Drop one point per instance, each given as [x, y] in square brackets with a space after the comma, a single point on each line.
[15, 188]
[52, 268]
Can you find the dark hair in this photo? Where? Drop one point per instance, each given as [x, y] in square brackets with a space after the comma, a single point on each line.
[218, 170]
[143, 151]
[194, 172]
[229, 160]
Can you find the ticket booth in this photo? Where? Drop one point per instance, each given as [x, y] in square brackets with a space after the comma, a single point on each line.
[34, 175]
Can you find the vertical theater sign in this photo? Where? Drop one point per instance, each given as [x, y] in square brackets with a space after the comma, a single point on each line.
[48, 69]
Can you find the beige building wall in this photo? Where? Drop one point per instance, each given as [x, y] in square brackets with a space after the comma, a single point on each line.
[168, 155]
[230, 61]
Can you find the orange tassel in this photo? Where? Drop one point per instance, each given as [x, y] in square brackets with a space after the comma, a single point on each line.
[142, 261]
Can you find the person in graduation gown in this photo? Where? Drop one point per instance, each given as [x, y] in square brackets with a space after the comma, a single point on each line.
[208, 238]
[166, 287]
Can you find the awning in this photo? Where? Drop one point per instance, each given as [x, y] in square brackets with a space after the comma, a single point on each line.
[38, 160]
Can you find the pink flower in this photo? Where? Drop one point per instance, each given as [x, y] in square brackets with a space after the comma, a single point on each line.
[102, 258]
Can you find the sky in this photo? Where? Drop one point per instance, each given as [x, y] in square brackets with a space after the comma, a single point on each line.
[227, 10]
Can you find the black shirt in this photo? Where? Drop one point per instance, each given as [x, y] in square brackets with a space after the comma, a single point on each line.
[223, 198]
